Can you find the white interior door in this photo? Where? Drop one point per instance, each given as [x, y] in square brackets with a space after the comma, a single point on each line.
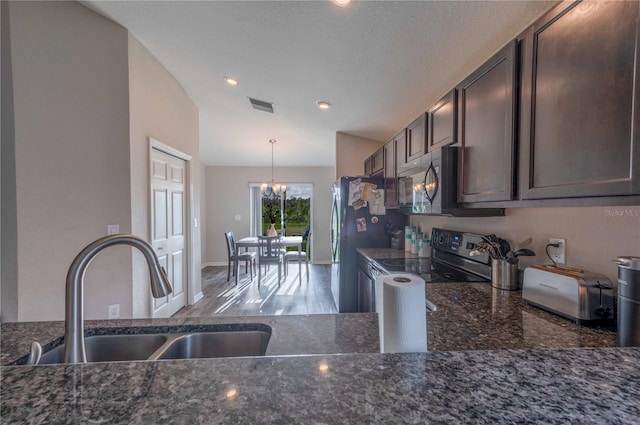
[168, 225]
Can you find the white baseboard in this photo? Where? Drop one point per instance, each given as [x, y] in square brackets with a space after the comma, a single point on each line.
[214, 263]
[198, 297]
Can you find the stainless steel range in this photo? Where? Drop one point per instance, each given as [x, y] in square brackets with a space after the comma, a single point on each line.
[450, 262]
[450, 259]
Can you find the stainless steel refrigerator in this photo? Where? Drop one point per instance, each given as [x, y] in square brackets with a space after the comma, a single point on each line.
[354, 226]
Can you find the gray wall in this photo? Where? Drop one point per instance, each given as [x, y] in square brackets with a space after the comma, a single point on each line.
[351, 151]
[203, 213]
[227, 194]
[595, 235]
[8, 220]
[86, 98]
[70, 96]
[160, 109]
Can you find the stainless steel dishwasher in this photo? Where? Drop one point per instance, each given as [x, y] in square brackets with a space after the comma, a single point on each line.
[367, 274]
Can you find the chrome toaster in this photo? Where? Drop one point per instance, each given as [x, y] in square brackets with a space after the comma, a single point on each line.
[582, 296]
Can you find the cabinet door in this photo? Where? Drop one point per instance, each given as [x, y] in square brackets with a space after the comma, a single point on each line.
[581, 103]
[377, 161]
[368, 166]
[442, 122]
[417, 138]
[486, 107]
[390, 180]
[401, 149]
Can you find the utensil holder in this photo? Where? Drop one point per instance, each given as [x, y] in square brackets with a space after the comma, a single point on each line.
[504, 275]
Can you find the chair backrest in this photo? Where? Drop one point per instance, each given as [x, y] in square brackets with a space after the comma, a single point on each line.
[231, 244]
[305, 238]
[267, 250]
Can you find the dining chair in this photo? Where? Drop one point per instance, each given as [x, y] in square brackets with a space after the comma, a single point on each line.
[249, 258]
[269, 253]
[297, 256]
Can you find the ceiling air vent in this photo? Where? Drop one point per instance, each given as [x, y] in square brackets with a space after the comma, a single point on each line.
[261, 105]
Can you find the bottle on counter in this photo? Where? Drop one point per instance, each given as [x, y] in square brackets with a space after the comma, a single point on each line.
[408, 230]
[415, 237]
[424, 248]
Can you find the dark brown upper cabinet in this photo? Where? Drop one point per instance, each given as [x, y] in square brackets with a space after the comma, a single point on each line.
[390, 178]
[367, 166]
[417, 138]
[442, 122]
[374, 165]
[486, 130]
[580, 130]
[401, 149]
[377, 161]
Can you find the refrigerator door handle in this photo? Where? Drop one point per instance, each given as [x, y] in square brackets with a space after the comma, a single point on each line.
[334, 229]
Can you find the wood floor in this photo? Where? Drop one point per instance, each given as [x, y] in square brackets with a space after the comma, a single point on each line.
[246, 299]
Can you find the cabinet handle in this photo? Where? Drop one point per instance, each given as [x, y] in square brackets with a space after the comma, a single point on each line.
[431, 186]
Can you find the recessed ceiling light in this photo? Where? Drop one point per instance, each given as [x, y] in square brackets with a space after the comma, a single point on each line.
[323, 104]
[341, 3]
[231, 81]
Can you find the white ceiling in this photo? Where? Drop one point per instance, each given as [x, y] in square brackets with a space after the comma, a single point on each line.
[379, 63]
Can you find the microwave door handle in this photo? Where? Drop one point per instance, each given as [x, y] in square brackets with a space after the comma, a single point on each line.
[429, 184]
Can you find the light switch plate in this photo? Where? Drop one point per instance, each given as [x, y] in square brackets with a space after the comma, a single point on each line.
[114, 311]
[237, 217]
[113, 229]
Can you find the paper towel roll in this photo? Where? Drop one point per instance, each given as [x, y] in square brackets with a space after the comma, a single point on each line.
[402, 313]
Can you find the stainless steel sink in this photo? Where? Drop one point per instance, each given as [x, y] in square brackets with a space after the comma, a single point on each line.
[112, 348]
[212, 341]
[215, 344]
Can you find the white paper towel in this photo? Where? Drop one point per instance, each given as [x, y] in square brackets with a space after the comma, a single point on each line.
[402, 313]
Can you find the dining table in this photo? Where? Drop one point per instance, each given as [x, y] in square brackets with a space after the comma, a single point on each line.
[284, 241]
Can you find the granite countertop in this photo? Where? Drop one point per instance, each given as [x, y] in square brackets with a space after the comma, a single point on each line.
[578, 386]
[476, 316]
[290, 335]
[462, 379]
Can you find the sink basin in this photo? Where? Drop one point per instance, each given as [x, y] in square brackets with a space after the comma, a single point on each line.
[215, 344]
[213, 341]
[112, 348]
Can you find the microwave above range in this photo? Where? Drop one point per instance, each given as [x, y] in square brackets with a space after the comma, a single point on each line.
[432, 187]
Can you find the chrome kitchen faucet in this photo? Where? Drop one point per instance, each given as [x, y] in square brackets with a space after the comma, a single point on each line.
[74, 351]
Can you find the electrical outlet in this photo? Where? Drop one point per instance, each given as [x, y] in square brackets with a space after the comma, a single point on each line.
[114, 311]
[559, 254]
[113, 229]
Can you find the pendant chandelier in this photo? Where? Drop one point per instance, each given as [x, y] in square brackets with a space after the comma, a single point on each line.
[274, 189]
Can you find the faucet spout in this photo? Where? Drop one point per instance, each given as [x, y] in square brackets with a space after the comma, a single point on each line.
[74, 351]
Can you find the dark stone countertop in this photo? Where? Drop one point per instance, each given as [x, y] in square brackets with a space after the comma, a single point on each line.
[576, 386]
[290, 335]
[476, 316]
[468, 381]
